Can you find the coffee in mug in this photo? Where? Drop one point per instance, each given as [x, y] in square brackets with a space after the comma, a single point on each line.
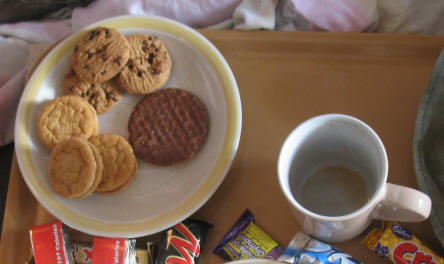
[343, 190]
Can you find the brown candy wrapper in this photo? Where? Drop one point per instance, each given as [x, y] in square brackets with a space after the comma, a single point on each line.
[397, 244]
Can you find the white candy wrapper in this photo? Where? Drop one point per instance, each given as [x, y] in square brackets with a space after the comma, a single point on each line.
[114, 250]
[306, 250]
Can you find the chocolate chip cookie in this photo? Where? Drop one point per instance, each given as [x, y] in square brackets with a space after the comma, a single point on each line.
[100, 55]
[102, 96]
[148, 67]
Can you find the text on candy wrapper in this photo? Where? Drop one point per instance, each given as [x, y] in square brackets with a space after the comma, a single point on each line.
[251, 245]
[409, 253]
[186, 247]
[59, 255]
[116, 252]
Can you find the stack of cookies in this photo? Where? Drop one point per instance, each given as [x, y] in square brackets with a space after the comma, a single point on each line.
[119, 162]
[104, 62]
[98, 57]
[75, 168]
[81, 161]
[104, 164]
[166, 127]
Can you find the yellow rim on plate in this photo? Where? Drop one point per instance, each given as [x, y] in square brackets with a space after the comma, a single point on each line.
[182, 211]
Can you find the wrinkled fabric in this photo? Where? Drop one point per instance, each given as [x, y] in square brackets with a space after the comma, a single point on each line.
[388, 16]
[391, 16]
[12, 74]
[196, 14]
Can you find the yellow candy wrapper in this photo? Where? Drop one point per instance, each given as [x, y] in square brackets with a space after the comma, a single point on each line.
[398, 245]
[246, 240]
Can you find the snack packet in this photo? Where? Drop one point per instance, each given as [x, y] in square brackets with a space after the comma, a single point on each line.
[246, 240]
[83, 254]
[50, 244]
[113, 250]
[306, 250]
[181, 244]
[151, 253]
[395, 243]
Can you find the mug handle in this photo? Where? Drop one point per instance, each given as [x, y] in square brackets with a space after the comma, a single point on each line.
[404, 204]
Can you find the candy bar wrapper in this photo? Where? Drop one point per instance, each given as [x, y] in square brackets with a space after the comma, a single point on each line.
[50, 244]
[151, 253]
[306, 250]
[83, 254]
[246, 240]
[182, 243]
[397, 244]
[113, 250]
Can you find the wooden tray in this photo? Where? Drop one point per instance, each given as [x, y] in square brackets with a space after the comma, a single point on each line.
[285, 78]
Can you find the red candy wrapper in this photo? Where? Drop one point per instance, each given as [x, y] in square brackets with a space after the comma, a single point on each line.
[395, 243]
[50, 244]
[113, 251]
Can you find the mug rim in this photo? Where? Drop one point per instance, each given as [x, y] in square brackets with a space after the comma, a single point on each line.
[367, 206]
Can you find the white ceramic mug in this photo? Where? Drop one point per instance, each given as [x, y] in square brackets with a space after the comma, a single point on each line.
[332, 144]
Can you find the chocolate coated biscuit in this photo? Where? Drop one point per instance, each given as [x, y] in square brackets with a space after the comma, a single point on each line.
[168, 126]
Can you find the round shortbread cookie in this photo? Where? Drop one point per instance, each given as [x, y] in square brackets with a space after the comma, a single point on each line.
[148, 67]
[125, 185]
[72, 168]
[168, 126]
[119, 161]
[66, 117]
[100, 55]
[96, 120]
[102, 96]
[99, 172]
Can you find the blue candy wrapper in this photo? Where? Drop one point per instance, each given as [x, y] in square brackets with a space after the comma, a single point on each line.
[306, 250]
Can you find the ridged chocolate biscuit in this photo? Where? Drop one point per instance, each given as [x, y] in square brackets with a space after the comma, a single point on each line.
[168, 126]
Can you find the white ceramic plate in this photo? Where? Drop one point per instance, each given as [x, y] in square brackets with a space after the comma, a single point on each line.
[159, 197]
